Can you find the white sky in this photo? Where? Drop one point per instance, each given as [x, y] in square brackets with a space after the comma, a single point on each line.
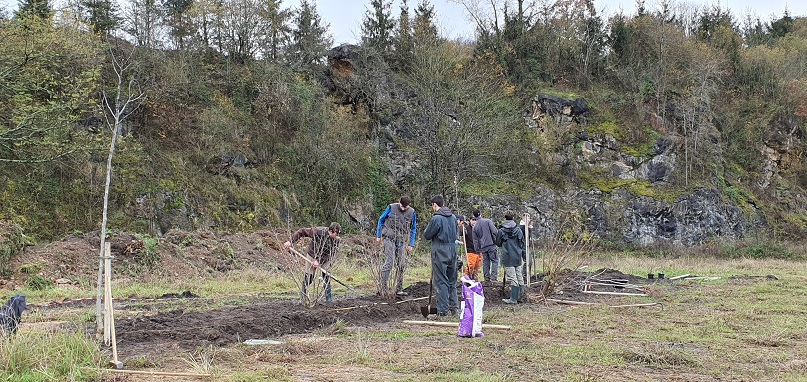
[345, 16]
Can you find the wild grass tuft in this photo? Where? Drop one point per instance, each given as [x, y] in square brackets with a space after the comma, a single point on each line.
[339, 327]
[297, 348]
[48, 357]
[659, 354]
[201, 361]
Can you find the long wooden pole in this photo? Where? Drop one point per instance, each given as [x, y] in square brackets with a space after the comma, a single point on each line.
[455, 324]
[166, 373]
[107, 294]
[376, 303]
[615, 293]
[527, 249]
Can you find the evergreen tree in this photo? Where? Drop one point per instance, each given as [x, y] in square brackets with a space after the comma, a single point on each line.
[404, 43]
[310, 39]
[783, 26]
[39, 8]
[101, 16]
[425, 32]
[378, 26]
[175, 12]
[277, 30]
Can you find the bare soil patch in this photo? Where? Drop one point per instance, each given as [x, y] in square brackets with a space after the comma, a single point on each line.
[187, 324]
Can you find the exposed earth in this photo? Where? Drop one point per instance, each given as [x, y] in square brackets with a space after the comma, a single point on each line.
[144, 329]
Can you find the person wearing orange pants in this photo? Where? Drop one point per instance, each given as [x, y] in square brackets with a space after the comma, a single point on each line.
[474, 264]
[474, 260]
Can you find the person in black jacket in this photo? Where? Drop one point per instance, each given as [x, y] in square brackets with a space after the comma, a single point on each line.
[484, 243]
[511, 241]
[442, 231]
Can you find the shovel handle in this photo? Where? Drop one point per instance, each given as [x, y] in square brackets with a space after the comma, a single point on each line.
[304, 257]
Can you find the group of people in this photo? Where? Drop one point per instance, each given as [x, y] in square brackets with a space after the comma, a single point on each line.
[396, 233]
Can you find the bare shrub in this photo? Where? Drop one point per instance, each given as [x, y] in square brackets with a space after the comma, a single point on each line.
[371, 258]
[564, 254]
[296, 267]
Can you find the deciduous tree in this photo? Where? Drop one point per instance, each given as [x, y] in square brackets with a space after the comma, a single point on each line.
[51, 75]
[142, 22]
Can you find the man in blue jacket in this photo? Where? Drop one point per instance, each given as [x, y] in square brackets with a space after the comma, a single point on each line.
[442, 231]
[396, 231]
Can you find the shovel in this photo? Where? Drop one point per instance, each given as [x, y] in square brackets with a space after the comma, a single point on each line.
[304, 257]
[429, 309]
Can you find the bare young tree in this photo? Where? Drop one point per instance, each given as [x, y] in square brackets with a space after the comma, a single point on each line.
[117, 107]
[564, 253]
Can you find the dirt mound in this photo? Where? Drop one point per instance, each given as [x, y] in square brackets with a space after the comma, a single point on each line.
[190, 254]
[186, 330]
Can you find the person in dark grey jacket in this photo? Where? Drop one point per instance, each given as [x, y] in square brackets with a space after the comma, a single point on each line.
[484, 242]
[511, 240]
[442, 231]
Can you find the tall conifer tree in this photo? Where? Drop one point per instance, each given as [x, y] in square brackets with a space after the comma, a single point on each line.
[378, 26]
[310, 39]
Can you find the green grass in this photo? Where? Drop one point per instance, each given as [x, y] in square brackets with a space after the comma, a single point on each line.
[47, 357]
[743, 325]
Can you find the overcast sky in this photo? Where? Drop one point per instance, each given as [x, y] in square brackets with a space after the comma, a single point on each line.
[344, 16]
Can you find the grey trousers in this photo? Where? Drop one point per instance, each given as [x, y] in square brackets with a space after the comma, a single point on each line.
[395, 258]
[514, 275]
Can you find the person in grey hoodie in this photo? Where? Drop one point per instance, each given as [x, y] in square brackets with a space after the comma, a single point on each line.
[511, 240]
[442, 231]
[484, 242]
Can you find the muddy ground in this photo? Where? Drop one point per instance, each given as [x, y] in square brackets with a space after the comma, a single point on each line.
[144, 329]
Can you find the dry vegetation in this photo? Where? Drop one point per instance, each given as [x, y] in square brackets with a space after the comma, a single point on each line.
[747, 325]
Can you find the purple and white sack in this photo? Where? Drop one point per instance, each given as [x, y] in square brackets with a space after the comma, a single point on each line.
[473, 300]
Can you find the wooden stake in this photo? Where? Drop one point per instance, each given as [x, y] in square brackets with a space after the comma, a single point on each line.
[107, 294]
[109, 315]
[633, 305]
[455, 324]
[570, 302]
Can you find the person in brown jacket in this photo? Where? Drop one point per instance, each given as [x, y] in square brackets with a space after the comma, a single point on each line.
[321, 251]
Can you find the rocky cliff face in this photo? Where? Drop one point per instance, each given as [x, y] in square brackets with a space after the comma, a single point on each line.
[621, 213]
